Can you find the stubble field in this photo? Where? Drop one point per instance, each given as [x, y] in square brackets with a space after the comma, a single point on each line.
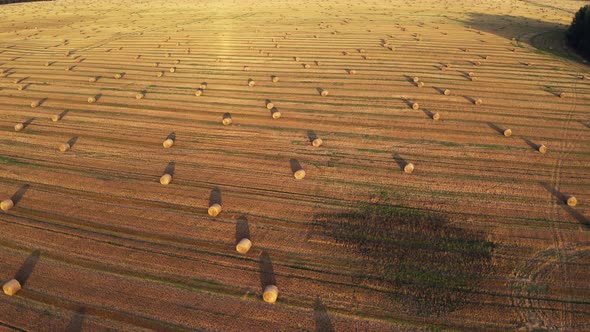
[477, 237]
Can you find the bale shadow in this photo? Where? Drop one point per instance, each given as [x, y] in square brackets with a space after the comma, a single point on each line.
[28, 122]
[72, 141]
[295, 165]
[530, 143]
[25, 271]
[311, 135]
[18, 195]
[170, 168]
[401, 162]
[267, 274]
[428, 113]
[323, 323]
[469, 99]
[77, 321]
[63, 114]
[496, 128]
[410, 80]
[407, 102]
[172, 136]
[562, 199]
[242, 229]
[426, 264]
[439, 90]
[215, 196]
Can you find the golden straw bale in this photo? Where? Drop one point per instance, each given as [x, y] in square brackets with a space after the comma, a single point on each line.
[435, 116]
[6, 204]
[415, 106]
[507, 132]
[447, 92]
[118, 76]
[55, 118]
[244, 246]
[542, 148]
[317, 142]
[198, 92]
[140, 95]
[11, 287]
[299, 174]
[271, 292]
[91, 100]
[172, 69]
[409, 168]
[166, 179]
[214, 210]
[19, 127]
[275, 79]
[572, 201]
[324, 93]
[227, 120]
[64, 147]
[275, 113]
[478, 102]
[168, 143]
[251, 82]
[416, 79]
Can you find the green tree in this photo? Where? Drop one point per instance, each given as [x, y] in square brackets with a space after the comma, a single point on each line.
[578, 34]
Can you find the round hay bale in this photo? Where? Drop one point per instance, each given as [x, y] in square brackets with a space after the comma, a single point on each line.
[420, 84]
[542, 148]
[435, 116]
[227, 120]
[296, 58]
[6, 205]
[324, 93]
[270, 294]
[274, 79]
[64, 147]
[160, 74]
[572, 201]
[306, 66]
[447, 92]
[166, 179]
[198, 92]
[507, 132]
[68, 68]
[47, 64]
[563, 94]
[471, 74]
[246, 68]
[477, 63]
[409, 168]
[172, 69]
[244, 246]
[11, 287]
[118, 76]
[416, 79]
[269, 105]
[156, 64]
[317, 142]
[19, 127]
[168, 143]
[214, 210]
[92, 79]
[139, 96]
[275, 113]
[299, 174]
[415, 106]
[477, 102]
[35, 104]
[203, 86]
[55, 118]
[20, 87]
[251, 83]
[91, 100]
[352, 72]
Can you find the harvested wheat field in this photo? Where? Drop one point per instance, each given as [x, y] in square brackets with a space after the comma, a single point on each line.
[419, 165]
